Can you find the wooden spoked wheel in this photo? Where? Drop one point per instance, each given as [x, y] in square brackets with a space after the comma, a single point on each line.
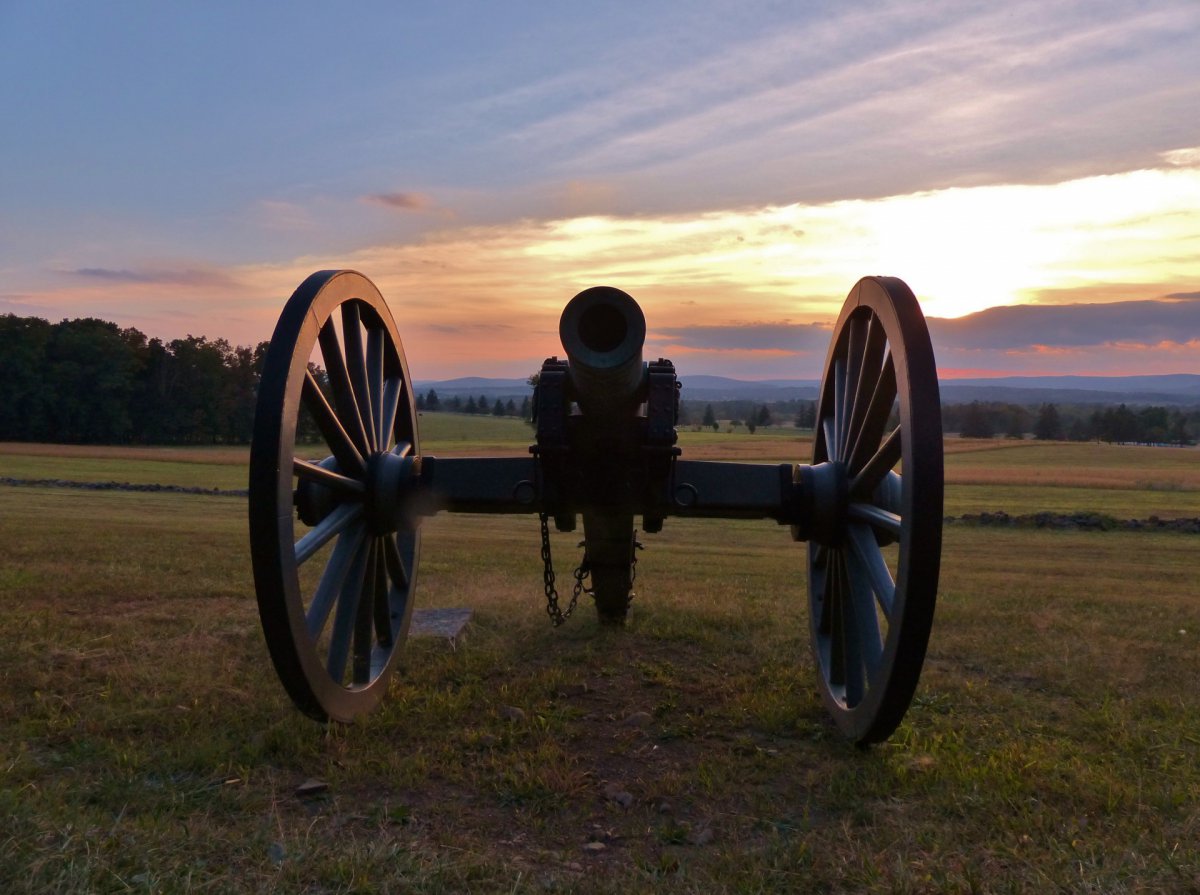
[877, 461]
[334, 556]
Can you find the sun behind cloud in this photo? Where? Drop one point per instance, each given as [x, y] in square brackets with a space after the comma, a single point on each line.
[485, 299]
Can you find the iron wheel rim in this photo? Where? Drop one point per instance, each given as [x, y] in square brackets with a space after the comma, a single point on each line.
[870, 619]
[312, 630]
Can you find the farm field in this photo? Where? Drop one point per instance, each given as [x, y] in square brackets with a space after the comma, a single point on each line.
[145, 744]
[1016, 477]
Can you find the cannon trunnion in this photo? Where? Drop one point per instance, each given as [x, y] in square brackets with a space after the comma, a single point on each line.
[335, 538]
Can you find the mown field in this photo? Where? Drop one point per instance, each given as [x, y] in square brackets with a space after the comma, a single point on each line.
[145, 744]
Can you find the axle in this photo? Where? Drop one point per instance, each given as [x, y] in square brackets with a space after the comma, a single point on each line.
[813, 500]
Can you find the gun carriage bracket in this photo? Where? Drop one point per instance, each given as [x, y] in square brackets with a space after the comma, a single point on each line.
[335, 540]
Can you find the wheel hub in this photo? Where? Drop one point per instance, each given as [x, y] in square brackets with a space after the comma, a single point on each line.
[391, 481]
[822, 496]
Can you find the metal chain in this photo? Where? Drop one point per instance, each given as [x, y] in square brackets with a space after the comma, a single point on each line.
[557, 616]
[637, 545]
[582, 572]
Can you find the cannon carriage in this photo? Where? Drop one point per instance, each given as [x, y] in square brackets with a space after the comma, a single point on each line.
[335, 540]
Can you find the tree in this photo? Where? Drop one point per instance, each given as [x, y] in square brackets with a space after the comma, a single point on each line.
[498, 408]
[23, 409]
[471, 407]
[1179, 430]
[1018, 420]
[1080, 430]
[526, 408]
[89, 375]
[432, 402]
[806, 415]
[710, 418]
[510, 409]
[976, 423]
[764, 416]
[751, 424]
[1048, 426]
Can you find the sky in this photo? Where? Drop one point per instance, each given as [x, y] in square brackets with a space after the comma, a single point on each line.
[1031, 169]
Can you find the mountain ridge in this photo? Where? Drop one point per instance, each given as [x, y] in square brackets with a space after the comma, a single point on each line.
[1173, 388]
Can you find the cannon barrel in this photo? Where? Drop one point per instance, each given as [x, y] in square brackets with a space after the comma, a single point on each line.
[603, 330]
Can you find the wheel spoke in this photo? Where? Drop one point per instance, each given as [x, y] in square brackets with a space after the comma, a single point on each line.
[866, 618]
[876, 517]
[333, 524]
[375, 347]
[396, 567]
[870, 557]
[839, 397]
[870, 371]
[887, 456]
[364, 620]
[343, 391]
[334, 481]
[346, 614]
[345, 553]
[383, 592]
[340, 443]
[830, 441]
[852, 649]
[820, 581]
[836, 622]
[875, 417]
[392, 390]
[356, 366]
[855, 346]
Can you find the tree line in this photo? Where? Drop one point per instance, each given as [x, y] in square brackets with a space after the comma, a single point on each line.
[1074, 422]
[91, 381]
[429, 401]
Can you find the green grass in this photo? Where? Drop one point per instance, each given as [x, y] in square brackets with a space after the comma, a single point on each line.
[1120, 503]
[146, 746]
[469, 433]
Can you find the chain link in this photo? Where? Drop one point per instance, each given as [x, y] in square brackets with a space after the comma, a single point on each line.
[582, 573]
[558, 616]
[633, 551]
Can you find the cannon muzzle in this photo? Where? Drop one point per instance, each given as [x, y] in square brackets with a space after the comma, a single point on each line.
[603, 331]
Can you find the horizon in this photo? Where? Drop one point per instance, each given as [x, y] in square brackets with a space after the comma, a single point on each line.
[1032, 172]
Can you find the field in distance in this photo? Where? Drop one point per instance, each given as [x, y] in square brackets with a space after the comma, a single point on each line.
[1016, 477]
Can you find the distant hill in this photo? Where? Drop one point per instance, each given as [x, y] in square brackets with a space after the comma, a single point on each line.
[1180, 389]
[474, 386]
[721, 388]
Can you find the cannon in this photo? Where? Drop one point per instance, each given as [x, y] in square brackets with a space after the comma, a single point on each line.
[335, 538]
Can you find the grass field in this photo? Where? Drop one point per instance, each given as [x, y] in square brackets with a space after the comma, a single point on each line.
[145, 745]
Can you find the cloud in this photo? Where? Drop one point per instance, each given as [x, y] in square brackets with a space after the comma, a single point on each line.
[471, 330]
[947, 94]
[788, 337]
[1183, 158]
[1064, 327]
[400, 201]
[157, 276]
